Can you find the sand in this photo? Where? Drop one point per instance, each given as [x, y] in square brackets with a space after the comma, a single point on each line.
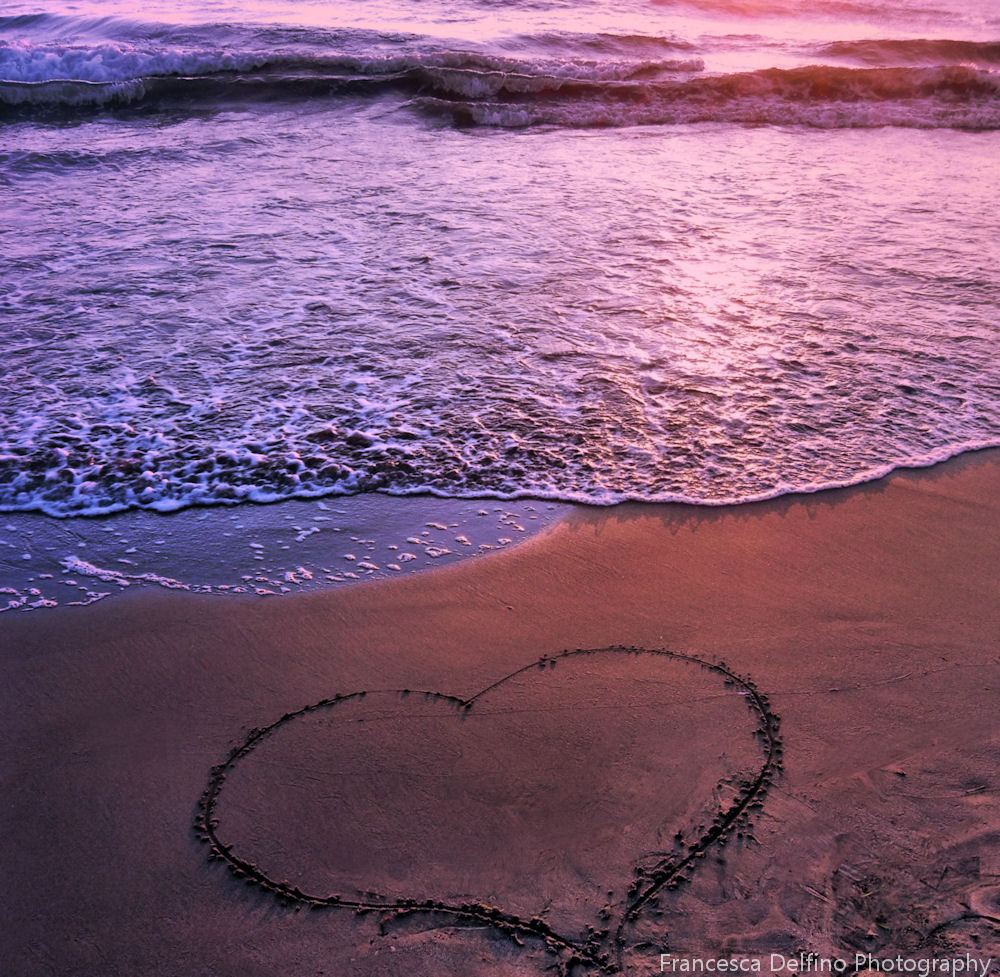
[520, 803]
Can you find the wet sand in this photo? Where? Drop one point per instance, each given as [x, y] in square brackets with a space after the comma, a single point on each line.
[866, 618]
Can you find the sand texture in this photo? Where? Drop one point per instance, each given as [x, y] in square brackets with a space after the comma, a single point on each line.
[194, 785]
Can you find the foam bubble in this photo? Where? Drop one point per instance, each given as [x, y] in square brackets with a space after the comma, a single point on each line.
[197, 555]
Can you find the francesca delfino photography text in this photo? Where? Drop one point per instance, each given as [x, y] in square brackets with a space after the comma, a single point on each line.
[500, 489]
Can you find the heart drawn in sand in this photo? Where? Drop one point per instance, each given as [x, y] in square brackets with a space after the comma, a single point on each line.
[557, 804]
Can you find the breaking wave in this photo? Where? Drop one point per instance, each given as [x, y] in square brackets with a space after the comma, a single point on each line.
[553, 78]
[823, 96]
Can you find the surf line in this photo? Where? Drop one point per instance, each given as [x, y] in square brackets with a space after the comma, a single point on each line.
[602, 950]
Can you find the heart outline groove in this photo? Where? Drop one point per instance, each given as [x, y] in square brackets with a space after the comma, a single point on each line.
[665, 875]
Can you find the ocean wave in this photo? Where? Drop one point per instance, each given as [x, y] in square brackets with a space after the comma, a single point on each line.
[230, 479]
[921, 51]
[821, 96]
[112, 62]
[64, 65]
[478, 88]
[53, 77]
[821, 9]
[622, 45]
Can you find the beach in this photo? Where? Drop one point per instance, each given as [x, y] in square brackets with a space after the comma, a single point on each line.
[499, 489]
[867, 617]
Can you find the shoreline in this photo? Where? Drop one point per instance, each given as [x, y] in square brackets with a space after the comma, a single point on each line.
[868, 616]
[299, 545]
[275, 549]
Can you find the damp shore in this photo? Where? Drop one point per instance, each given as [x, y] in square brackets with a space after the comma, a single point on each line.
[868, 616]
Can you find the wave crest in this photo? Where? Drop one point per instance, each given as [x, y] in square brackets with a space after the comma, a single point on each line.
[477, 87]
[914, 51]
[952, 96]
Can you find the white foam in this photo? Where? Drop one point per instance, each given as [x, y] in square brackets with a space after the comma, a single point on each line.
[84, 568]
[23, 61]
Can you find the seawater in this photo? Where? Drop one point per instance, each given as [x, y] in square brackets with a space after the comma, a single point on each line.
[711, 252]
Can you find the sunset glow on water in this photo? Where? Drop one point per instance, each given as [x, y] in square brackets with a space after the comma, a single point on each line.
[710, 251]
